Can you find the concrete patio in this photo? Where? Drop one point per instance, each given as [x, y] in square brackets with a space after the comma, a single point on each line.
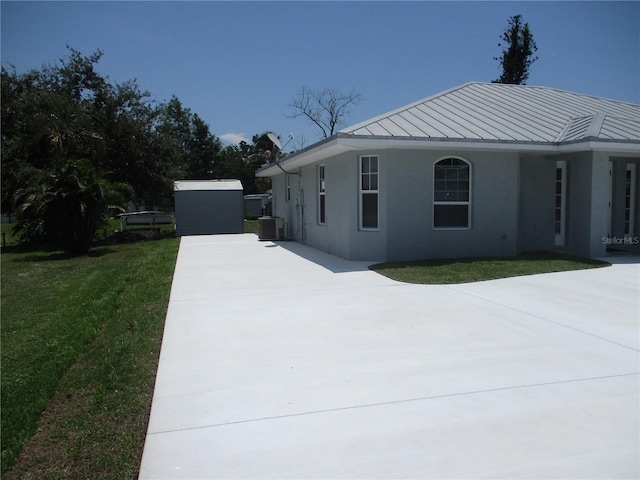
[280, 361]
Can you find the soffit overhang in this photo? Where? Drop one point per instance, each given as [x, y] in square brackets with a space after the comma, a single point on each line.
[364, 144]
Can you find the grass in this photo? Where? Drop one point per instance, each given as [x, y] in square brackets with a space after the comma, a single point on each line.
[80, 344]
[9, 239]
[478, 269]
[250, 226]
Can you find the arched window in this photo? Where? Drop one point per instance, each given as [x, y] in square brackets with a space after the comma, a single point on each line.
[451, 193]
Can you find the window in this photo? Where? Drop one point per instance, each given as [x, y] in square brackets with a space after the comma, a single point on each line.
[561, 201]
[629, 198]
[287, 193]
[451, 194]
[322, 212]
[369, 192]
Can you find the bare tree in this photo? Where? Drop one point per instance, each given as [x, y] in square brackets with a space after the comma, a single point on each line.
[298, 143]
[326, 108]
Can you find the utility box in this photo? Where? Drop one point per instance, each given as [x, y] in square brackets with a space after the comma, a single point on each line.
[208, 207]
[270, 228]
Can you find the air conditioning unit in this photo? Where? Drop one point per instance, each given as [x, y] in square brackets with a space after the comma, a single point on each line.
[270, 228]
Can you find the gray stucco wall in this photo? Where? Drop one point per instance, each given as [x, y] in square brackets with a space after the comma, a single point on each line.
[283, 208]
[512, 205]
[494, 200]
[579, 203]
[536, 227]
[589, 216]
[405, 207]
[600, 212]
[339, 235]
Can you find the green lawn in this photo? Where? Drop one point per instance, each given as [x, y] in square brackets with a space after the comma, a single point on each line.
[478, 269]
[80, 343]
[9, 239]
[250, 226]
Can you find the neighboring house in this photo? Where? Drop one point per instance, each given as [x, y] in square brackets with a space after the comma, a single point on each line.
[255, 205]
[478, 170]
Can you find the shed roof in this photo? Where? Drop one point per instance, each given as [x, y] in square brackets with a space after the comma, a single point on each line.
[489, 116]
[183, 185]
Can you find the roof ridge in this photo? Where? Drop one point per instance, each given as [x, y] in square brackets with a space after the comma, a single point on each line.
[548, 88]
[593, 131]
[575, 94]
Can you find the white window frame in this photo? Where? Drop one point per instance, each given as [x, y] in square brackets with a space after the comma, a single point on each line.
[287, 189]
[443, 202]
[560, 236]
[322, 198]
[368, 191]
[629, 227]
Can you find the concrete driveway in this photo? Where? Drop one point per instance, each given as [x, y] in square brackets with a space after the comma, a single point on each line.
[279, 361]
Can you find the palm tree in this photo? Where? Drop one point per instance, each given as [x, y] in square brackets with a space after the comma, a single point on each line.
[67, 204]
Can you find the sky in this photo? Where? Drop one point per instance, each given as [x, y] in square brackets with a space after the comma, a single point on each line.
[238, 65]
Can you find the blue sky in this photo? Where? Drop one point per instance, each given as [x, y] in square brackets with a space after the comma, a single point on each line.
[238, 64]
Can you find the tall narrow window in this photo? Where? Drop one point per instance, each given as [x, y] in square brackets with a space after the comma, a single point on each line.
[322, 212]
[560, 202]
[629, 199]
[451, 194]
[287, 193]
[369, 192]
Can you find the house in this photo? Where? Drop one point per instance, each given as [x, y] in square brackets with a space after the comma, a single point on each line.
[478, 170]
[208, 207]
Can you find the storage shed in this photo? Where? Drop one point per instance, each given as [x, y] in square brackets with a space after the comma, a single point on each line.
[209, 207]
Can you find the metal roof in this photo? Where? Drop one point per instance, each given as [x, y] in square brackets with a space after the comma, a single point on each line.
[182, 185]
[489, 116]
[499, 112]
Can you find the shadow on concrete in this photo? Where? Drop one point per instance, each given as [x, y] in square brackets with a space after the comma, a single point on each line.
[325, 260]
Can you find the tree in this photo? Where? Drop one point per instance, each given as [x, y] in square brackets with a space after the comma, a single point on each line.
[68, 111]
[203, 151]
[326, 108]
[67, 204]
[241, 162]
[518, 48]
[126, 121]
[61, 112]
[56, 125]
